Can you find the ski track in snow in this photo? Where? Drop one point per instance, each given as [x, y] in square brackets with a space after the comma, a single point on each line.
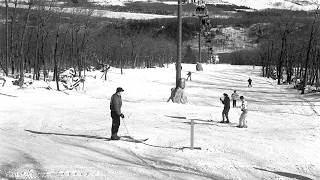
[60, 136]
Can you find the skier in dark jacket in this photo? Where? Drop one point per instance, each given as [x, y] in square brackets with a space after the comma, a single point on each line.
[115, 107]
[189, 75]
[226, 108]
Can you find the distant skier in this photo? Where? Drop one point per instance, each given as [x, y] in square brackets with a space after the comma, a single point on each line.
[249, 81]
[234, 97]
[243, 116]
[189, 75]
[226, 108]
[4, 81]
[115, 107]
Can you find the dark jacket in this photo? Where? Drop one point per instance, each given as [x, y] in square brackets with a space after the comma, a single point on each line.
[116, 103]
[226, 102]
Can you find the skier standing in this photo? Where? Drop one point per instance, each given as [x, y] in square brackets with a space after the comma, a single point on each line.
[115, 107]
[226, 108]
[234, 97]
[243, 116]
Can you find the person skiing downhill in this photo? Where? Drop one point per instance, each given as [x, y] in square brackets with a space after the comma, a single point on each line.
[115, 107]
[249, 81]
[189, 75]
[243, 116]
[226, 108]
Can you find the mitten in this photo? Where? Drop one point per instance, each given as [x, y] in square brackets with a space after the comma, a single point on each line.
[121, 115]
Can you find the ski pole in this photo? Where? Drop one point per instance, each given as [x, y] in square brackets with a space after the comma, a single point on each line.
[124, 123]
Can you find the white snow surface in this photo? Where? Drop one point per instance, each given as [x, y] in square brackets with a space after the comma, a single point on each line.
[49, 134]
[278, 4]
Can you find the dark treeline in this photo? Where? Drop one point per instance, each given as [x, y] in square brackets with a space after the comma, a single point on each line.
[41, 40]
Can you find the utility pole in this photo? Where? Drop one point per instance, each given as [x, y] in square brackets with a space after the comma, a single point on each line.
[179, 46]
[200, 24]
[7, 39]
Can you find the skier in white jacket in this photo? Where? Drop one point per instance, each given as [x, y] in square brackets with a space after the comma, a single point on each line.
[234, 97]
[243, 116]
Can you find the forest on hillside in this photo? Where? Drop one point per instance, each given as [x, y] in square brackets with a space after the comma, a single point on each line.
[37, 40]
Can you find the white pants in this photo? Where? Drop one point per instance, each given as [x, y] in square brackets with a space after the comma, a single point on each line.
[243, 118]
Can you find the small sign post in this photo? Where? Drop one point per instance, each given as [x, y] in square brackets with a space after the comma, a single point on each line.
[192, 116]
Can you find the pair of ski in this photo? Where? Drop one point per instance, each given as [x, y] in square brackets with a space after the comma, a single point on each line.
[129, 139]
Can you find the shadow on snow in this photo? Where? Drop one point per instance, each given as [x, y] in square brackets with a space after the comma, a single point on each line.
[285, 174]
[155, 163]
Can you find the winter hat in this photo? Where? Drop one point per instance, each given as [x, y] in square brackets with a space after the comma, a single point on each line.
[119, 89]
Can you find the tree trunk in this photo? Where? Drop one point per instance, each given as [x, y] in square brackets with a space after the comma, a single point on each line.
[280, 60]
[12, 55]
[36, 57]
[56, 77]
[22, 45]
[308, 51]
[63, 48]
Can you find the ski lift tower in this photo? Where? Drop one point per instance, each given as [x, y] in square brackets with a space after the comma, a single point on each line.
[201, 11]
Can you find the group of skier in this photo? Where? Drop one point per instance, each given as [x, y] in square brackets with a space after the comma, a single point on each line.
[244, 108]
[116, 103]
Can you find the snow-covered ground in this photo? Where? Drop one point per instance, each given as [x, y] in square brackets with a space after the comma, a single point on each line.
[128, 15]
[278, 4]
[47, 134]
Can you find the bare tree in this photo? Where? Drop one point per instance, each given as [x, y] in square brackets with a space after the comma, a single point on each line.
[12, 54]
[312, 32]
[56, 69]
[21, 79]
[286, 28]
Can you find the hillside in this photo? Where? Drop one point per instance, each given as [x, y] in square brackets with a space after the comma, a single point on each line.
[48, 135]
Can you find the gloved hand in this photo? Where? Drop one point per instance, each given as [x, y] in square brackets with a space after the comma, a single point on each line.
[121, 115]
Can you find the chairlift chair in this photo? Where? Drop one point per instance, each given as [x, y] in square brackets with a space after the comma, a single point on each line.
[200, 10]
